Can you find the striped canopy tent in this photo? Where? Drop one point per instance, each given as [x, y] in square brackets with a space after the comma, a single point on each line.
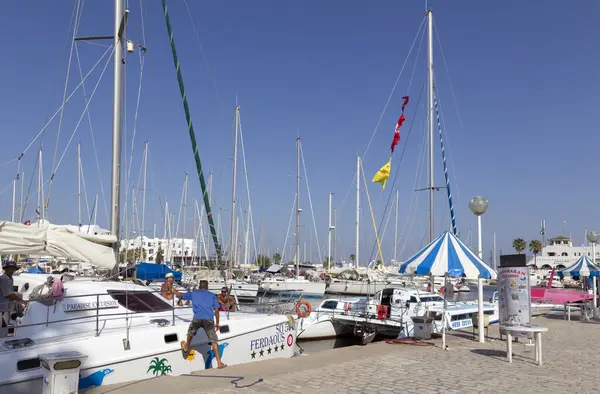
[582, 267]
[447, 254]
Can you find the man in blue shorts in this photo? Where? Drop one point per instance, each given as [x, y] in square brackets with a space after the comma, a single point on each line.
[206, 308]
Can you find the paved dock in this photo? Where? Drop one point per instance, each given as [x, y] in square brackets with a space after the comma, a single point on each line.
[571, 355]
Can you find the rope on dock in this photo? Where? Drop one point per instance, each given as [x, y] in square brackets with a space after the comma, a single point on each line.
[234, 379]
[410, 341]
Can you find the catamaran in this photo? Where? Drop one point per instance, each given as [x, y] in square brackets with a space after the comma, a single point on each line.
[125, 330]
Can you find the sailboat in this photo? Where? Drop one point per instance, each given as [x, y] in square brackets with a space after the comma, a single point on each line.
[298, 285]
[124, 331]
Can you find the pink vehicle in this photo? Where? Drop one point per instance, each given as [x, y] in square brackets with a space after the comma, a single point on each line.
[548, 295]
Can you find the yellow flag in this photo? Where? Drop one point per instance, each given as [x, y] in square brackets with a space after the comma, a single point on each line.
[383, 174]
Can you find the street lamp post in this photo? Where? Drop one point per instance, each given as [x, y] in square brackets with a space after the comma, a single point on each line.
[592, 237]
[479, 205]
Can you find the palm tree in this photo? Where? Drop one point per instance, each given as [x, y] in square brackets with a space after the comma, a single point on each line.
[159, 367]
[160, 256]
[519, 244]
[277, 258]
[352, 258]
[535, 247]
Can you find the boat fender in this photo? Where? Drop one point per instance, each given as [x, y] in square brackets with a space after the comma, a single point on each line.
[303, 308]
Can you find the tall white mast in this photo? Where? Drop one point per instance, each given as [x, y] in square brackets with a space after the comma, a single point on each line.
[207, 242]
[396, 231]
[21, 197]
[166, 248]
[334, 237]
[119, 60]
[95, 210]
[357, 209]
[329, 235]
[184, 213]
[79, 185]
[144, 191]
[430, 117]
[246, 240]
[40, 187]
[298, 209]
[14, 197]
[235, 148]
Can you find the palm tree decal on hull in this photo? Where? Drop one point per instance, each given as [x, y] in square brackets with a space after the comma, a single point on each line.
[159, 367]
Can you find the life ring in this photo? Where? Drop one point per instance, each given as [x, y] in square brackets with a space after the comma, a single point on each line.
[303, 312]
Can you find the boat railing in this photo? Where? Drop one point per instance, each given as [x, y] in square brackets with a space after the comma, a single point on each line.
[98, 315]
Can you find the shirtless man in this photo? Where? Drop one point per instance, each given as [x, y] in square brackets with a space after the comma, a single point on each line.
[166, 290]
[226, 301]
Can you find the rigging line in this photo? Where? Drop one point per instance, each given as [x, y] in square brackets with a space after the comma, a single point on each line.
[251, 224]
[135, 117]
[92, 134]
[439, 41]
[65, 102]
[372, 214]
[437, 115]
[6, 188]
[311, 204]
[87, 204]
[408, 134]
[78, 14]
[408, 90]
[386, 106]
[9, 162]
[191, 132]
[387, 221]
[448, 147]
[287, 234]
[206, 62]
[408, 225]
[142, 23]
[76, 128]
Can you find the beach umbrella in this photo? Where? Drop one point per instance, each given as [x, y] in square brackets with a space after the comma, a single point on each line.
[449, 256]
[582, 267]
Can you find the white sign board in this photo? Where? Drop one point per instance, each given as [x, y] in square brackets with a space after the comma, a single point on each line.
[75, 306]
[514, 295]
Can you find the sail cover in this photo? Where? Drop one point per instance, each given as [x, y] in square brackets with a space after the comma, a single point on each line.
[44, 238]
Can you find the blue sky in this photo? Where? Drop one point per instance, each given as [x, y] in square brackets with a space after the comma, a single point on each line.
[518, 114]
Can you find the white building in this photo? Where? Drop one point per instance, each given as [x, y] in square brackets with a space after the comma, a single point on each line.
[172, 250]
[560, 253]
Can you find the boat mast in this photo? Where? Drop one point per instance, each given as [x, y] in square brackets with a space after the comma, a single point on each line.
[357, 209]
[430, 117]
[79, 185]
[232, 236]
[144, 191]
[396, 231]
[334, 237]
[298, 209]
[329, 235]
[184, 213]
[115, 195]
[95, 211]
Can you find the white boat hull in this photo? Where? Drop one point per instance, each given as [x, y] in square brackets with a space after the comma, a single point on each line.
[93, 320]
[319, 328]
[352, 287]
[109, 363]
[304, 288]
[242, 290]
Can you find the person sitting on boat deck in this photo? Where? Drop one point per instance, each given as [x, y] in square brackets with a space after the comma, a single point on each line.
[226, 301]
[166, 289]
[206, 309]
[7, 295]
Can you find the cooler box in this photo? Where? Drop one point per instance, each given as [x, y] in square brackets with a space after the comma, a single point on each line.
[422, 327]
